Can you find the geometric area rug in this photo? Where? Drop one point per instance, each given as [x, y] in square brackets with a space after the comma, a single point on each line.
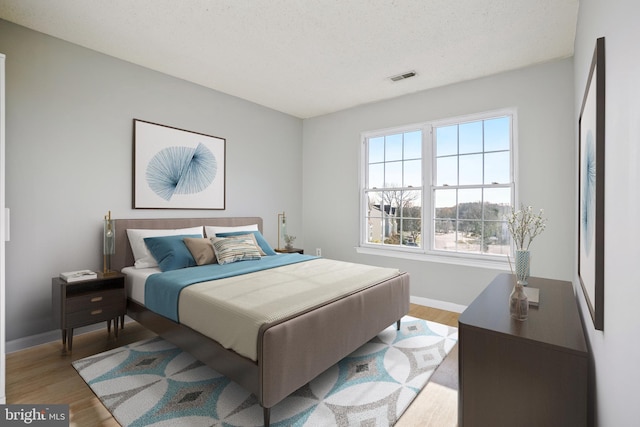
[154, 383]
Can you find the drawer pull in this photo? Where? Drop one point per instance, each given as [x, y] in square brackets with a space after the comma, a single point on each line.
[96, 299]
[98, 311]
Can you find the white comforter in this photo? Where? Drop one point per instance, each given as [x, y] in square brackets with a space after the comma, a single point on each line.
[232, 310]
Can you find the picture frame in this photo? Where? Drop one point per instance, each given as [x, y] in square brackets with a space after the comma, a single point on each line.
[591, 173]
[176, 168]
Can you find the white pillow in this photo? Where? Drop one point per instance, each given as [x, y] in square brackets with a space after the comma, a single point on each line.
[212, 230]
[141, 255]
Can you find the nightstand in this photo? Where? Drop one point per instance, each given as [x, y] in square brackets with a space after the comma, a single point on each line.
[290, 251]
[87, 302]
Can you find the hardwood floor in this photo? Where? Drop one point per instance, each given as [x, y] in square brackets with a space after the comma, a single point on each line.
[44, 374]
[437, 403]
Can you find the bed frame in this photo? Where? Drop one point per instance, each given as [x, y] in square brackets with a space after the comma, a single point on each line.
[291, 351]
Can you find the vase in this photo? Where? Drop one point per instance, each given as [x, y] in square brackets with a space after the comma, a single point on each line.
[522, 266]
[519, 302]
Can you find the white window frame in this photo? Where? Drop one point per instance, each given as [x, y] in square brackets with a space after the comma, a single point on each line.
[426, 252]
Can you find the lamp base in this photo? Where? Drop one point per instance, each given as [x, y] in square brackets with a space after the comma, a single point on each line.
[106, 266]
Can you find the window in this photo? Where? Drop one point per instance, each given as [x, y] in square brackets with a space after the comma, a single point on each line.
[440, 188]
[394, 189]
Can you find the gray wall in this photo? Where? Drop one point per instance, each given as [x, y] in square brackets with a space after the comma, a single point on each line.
[616, 350]
[543, 96]
[69, 133]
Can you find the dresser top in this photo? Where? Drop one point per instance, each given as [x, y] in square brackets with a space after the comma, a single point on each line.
[555, 322]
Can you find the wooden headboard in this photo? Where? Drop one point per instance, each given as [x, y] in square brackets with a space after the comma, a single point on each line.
[124, 256]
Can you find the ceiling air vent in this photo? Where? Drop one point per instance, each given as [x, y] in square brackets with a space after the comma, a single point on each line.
[403, 76]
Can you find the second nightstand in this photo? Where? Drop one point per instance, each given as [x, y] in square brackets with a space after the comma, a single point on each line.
[87, 302]
[290, 251]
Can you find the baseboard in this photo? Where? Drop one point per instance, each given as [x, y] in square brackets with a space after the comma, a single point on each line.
[441, 305]
[32, 341]
[51, 336]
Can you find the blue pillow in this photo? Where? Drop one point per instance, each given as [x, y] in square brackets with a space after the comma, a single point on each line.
[259, 238]
[170, 252]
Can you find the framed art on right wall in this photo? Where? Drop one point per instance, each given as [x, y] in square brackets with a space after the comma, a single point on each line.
[591, 135]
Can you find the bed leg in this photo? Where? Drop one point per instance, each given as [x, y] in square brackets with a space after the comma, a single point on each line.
[398, 325]
[267, 415]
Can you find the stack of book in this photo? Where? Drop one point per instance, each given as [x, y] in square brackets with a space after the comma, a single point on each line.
[76, 276]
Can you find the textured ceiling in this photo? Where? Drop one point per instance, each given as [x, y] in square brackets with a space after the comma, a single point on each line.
[312, 57]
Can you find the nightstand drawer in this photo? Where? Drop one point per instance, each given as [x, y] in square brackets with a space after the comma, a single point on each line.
[94, 300]
[93, 314]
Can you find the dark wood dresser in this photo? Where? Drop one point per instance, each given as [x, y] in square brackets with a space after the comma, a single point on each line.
[530, 373]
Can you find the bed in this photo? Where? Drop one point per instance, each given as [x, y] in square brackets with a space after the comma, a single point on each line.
[327, 331]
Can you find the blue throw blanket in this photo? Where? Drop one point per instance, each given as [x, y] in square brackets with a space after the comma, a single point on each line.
[162, 290]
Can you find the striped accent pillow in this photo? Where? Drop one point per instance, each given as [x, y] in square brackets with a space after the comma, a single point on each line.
[232, 250]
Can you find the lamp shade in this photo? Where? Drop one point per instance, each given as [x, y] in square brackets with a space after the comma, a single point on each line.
[282, 227]
[109, 242]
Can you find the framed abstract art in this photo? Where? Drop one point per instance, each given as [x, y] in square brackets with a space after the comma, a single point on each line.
[591, 142]
[177, 169]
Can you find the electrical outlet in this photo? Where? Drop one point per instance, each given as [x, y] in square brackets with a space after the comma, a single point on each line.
[318, 252]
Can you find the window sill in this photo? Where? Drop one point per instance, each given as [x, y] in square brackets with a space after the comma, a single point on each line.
[495, 263]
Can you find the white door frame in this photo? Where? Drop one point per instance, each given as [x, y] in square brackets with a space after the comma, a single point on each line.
[3, 234]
